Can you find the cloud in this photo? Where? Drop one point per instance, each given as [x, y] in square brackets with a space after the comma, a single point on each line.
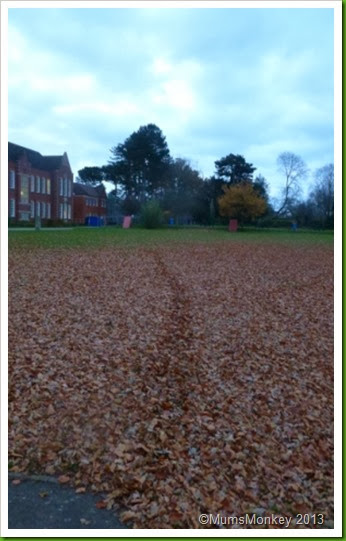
[161, 67]
[118, 107]
[250, 81]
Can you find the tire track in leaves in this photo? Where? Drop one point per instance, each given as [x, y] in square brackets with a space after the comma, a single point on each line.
[176, 341]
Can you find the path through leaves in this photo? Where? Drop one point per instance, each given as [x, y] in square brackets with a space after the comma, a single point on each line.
[178, 380]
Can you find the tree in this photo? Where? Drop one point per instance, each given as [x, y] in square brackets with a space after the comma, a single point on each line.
[184, 186]
[91, 175]
[203, 208]
[130, 205]
[242, 202]
[151, 214]
[304, 213]
[140, 164]
[294, 170]
[233, 169]
[110, 175]
[114, 208]
[322, 194]
[261, 187]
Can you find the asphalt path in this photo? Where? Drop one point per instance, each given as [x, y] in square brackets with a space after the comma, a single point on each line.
[44, 503]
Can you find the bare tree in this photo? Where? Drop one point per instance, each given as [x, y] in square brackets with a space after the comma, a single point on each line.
[322, 194]
[294, 170]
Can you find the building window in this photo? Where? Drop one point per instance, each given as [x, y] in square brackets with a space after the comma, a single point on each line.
[61, 211]
[38, 184]
[24, 189]
[38, 213]
[48, 210]
[12, 179]
[48, 185]
[32, 205]
[43, 210]
[43, 185]
[69, 212]
[69, 188]
[61, 187]
[24, 216]
[32, 183]
[12, 208]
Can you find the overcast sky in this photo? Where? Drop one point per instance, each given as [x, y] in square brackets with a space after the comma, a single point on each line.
[255, 82]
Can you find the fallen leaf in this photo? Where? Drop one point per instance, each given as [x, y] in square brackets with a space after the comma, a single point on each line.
[64, 479]
[101, 504]
[212, 390]
[128, 515]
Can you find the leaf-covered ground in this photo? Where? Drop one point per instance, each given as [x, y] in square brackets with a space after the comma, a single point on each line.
[178, 379]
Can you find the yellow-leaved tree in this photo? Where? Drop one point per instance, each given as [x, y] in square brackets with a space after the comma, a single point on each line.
[242, 202]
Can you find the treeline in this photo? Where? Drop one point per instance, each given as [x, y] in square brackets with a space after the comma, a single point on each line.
[143, 170]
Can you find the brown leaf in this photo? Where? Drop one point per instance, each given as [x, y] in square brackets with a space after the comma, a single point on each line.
[101, 504]
[50, 410]
[63, 479]
[199, 380]
[128, 515]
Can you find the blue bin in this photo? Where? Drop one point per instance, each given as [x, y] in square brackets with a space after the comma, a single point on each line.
[93, 221]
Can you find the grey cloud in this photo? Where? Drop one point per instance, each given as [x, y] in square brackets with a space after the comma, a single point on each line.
[255, 81]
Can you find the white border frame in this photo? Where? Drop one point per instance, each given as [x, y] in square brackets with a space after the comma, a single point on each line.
[331, 4]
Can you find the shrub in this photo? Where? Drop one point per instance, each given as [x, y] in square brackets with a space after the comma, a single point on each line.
[275, 222]
[151, 215]
[12, 222]
[55, 223]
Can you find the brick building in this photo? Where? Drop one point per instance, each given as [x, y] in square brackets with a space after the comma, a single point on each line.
[89, 204]
[38, 186]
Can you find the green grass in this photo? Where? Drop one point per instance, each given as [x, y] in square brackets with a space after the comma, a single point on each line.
[80, 237]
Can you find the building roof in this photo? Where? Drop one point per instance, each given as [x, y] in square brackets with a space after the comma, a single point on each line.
[91, 191]
[46, 163]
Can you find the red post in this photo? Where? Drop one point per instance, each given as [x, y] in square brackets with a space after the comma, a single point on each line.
[127, 222]
[233, 225]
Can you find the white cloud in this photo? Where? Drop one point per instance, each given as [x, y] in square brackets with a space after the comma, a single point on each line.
[160, 66]
[176, 83]
[117, 107]
[253, 82]
[175, 93]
